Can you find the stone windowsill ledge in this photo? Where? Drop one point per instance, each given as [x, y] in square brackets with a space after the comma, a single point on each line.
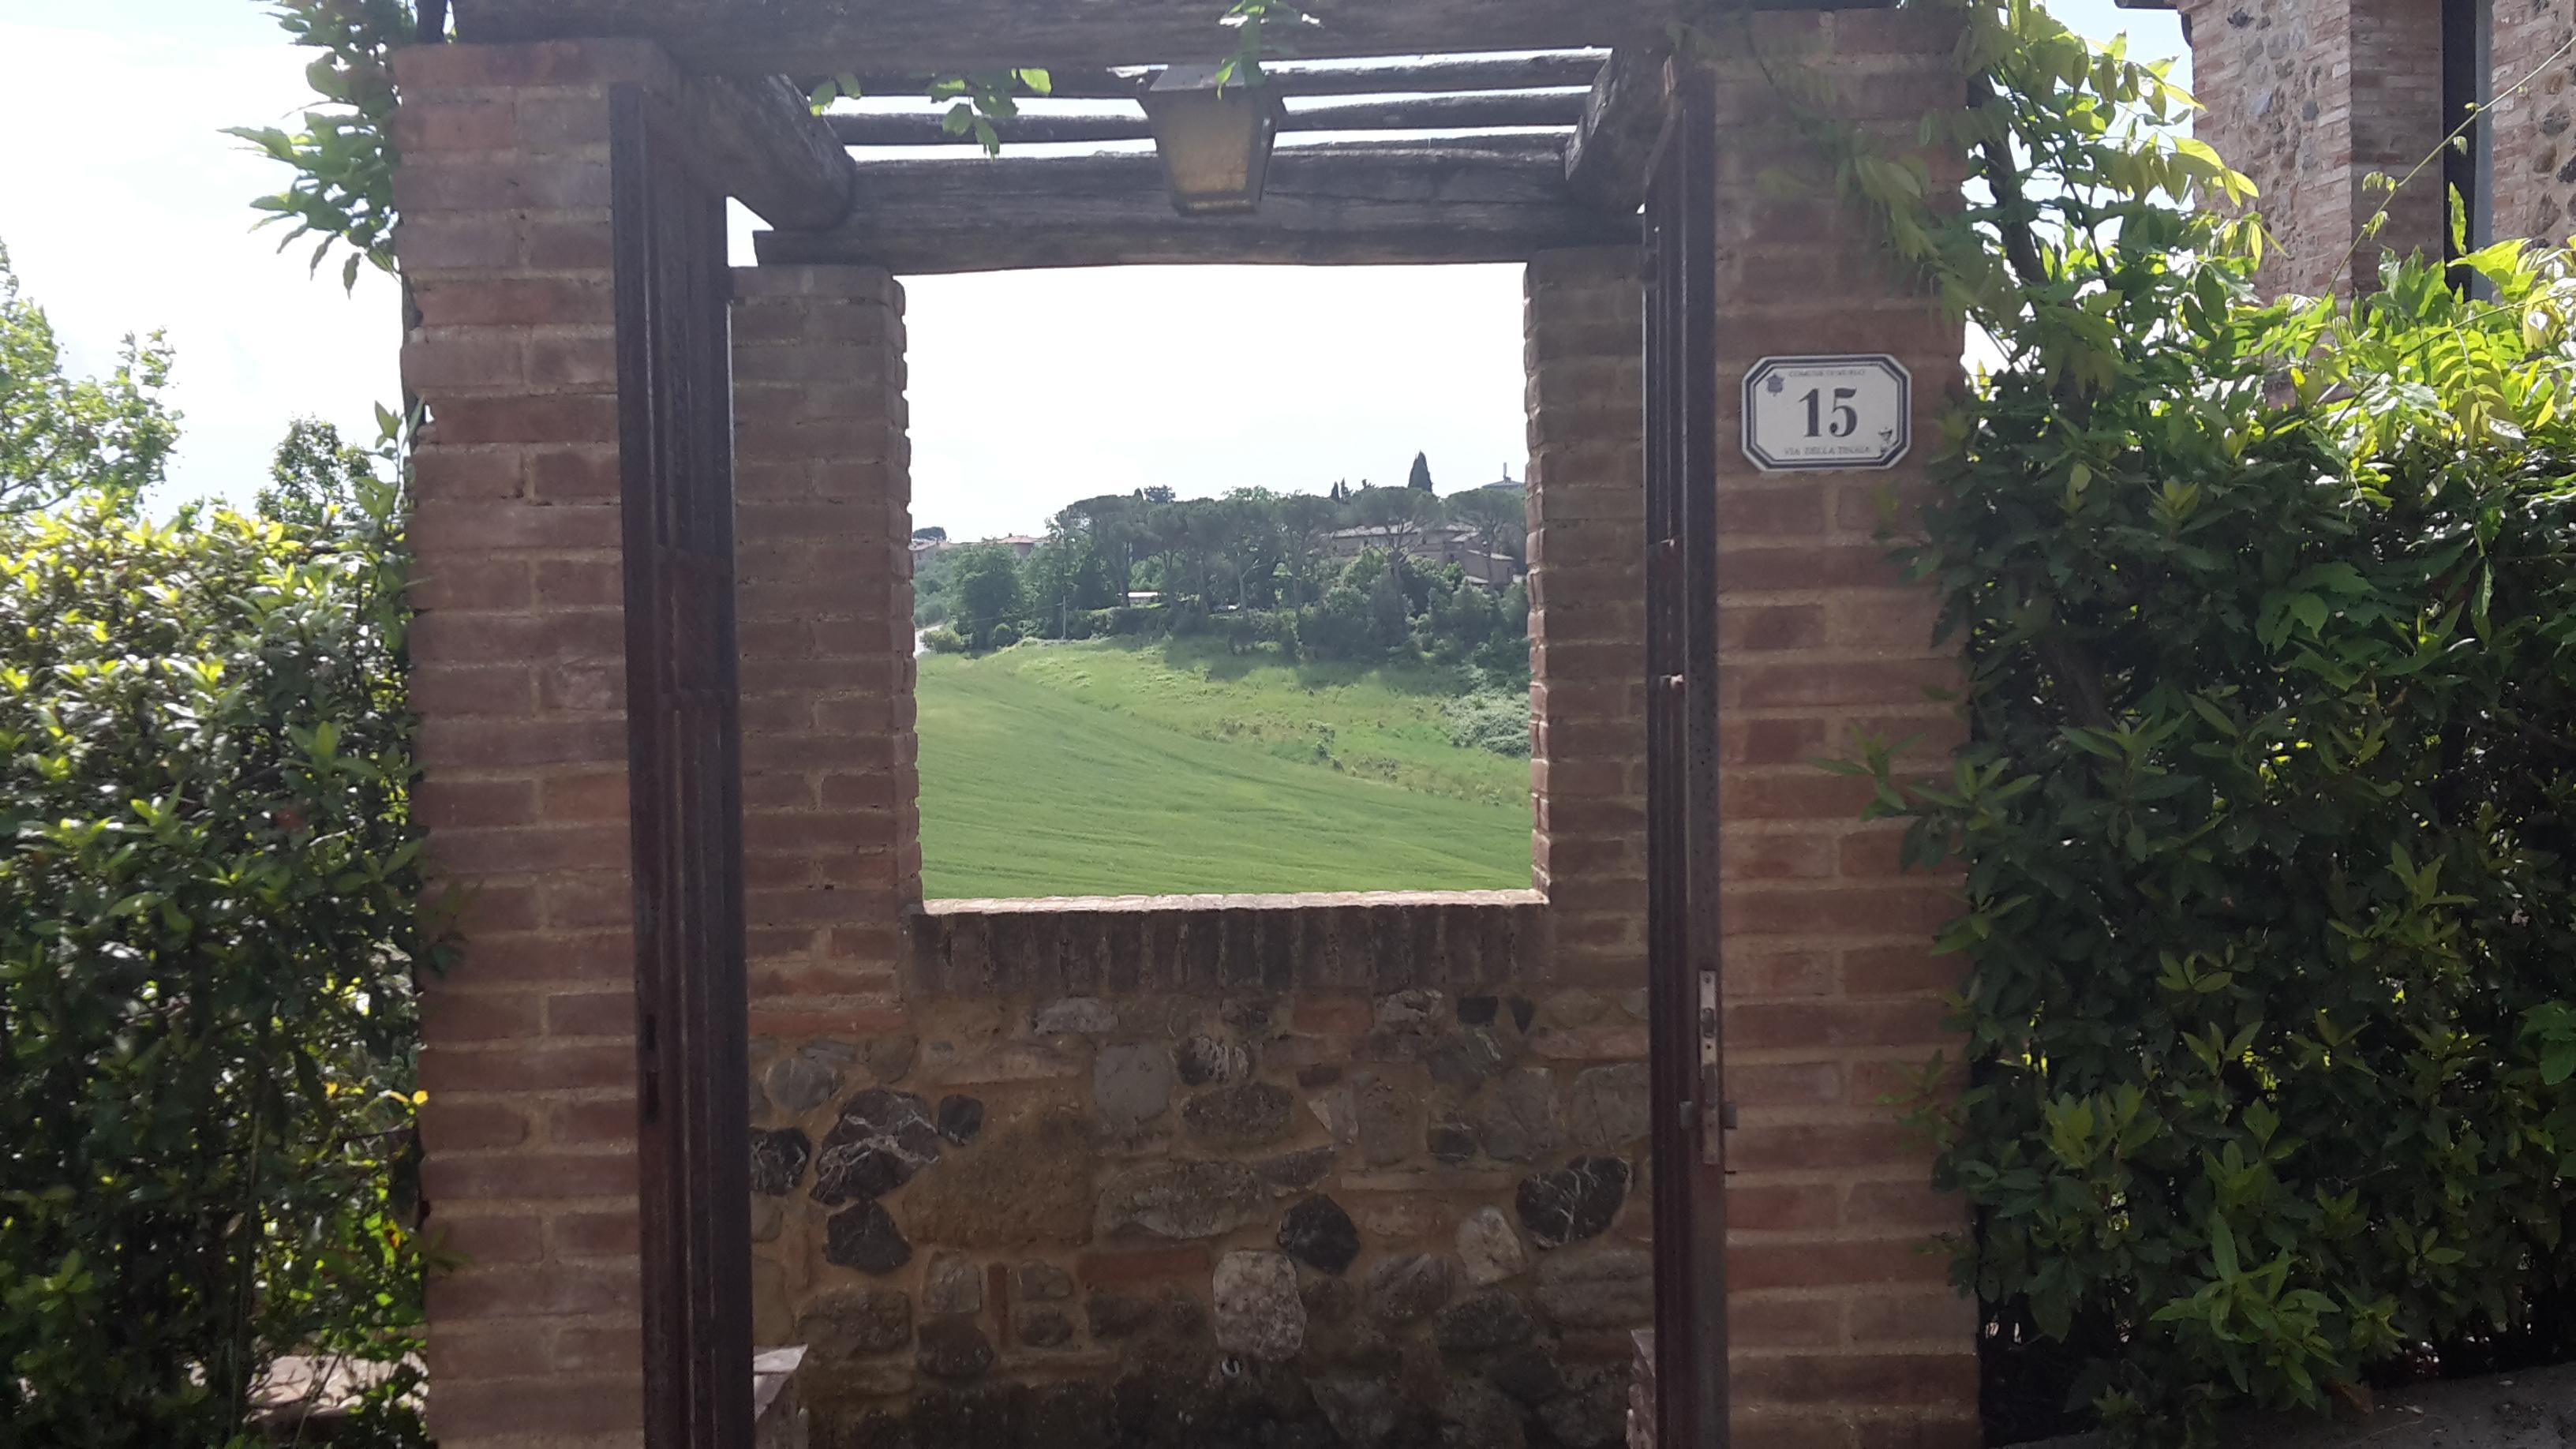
[1228, 944]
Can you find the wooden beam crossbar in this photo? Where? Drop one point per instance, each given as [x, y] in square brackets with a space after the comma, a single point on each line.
[1429, 75]
[1625, 121]
[758, 142]
[1353, 204]
[947, 37]
[1472, 112]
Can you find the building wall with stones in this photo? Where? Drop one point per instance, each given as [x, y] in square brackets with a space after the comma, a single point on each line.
[1349, 1170]
[2535, 154]
[2310, 97]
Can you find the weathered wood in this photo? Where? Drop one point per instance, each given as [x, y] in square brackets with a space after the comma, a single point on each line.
[1423, 113]
[1430, 75]
[945, 37]
[1625, 120]
[1360, 203]
[758, 142]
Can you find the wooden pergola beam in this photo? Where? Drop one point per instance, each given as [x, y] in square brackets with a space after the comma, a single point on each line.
[1357, 204]
[1429, 75]
[1625, 120]
[757, 141]
[1472, 112]
[942, 37]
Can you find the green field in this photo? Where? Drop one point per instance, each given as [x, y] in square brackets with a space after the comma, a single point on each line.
[1120, 768]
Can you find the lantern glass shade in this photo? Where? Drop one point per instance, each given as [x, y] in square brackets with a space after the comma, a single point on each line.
[1215, 143]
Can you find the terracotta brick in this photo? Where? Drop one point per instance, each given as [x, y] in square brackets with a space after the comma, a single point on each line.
[1800, 1207]
[454, 1016]
[580, 1348]
[1754, 1267]
[556, 1404]
[528, 1175]
[575, 474]
[516, 1238]
[1807, 1147]
[1755, 1321]
[451, 1125]
[542, 418]
[1914, 1204]
[522, 1068]
[593, 1234]
[489, 1349]
[514, 301]
[1945, 1317]
[1841, 1023]
[1858, 1379]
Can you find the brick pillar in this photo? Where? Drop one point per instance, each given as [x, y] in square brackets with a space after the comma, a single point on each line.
[519, 677]
[2308, 97]
[2395, 71]
[831, 810]
[2535, 151]
[1845, 1332]
[831, 814]
[1585, 361]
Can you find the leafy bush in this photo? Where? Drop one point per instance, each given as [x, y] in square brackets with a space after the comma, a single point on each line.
[943, 641]
[1490, 720]
[2268, 614]
[208, 878]
[2271, 631]
[1004, 636]
[60, 434]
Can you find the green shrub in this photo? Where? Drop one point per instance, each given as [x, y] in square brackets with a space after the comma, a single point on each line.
[1003, 636]
[208, 880]
[1490, 720]
[2267, 821]
[943, 640]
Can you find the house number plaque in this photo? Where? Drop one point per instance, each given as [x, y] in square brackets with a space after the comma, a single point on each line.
[1807, 413]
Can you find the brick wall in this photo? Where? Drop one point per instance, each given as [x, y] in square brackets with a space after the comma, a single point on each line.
[2535, 155]
[2396, 101]
[1584, 324]
[519, 677]
[823, 523]
[2308, 97]
[1844, 1332]
[1116, 1174]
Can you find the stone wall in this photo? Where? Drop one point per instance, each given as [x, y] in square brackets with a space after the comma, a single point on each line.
[2308, 97]
[2535, 154]
[1170, 1216]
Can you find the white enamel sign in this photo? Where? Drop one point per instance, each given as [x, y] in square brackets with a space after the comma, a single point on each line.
[1850, 411]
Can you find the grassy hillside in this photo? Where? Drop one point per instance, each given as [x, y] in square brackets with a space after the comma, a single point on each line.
[1116, 768]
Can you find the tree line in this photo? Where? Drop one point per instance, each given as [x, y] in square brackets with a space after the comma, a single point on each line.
[1260, 567]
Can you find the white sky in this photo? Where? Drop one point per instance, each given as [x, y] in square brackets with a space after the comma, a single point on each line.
[123, 209]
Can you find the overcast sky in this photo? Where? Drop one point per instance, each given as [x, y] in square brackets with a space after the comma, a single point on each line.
[123, 209]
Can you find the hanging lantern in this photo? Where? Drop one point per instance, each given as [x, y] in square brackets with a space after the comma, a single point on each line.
[1214, 140]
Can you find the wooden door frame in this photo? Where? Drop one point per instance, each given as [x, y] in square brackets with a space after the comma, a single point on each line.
[1685, 1016]
[683, 711]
